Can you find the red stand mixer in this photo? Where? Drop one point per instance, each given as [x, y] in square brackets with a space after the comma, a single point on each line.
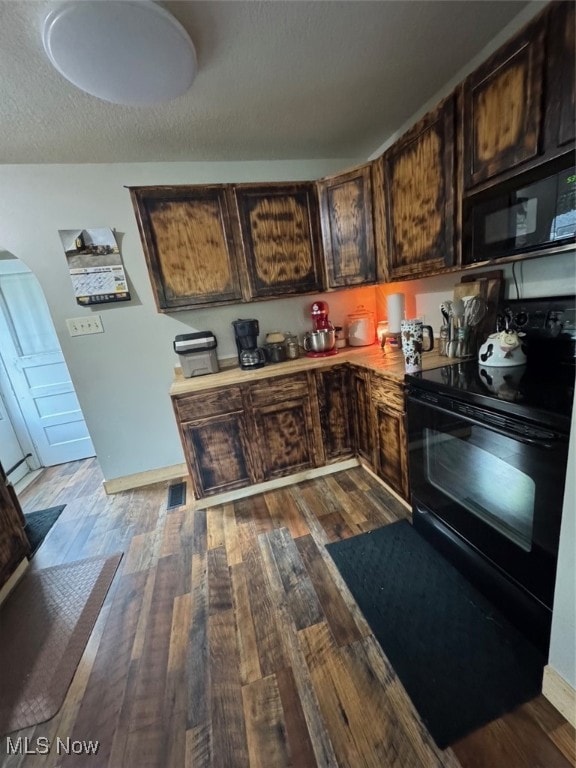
[321, 341]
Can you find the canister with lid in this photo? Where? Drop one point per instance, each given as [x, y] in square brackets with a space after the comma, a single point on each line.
[361, 327]
[292, 346]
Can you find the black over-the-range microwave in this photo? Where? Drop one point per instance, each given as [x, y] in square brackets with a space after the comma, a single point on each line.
[532, 215]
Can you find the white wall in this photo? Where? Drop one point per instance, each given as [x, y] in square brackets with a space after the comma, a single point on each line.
[563, 641]
[122, 376]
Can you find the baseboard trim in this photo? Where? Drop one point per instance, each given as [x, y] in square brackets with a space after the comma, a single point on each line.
[141, 479]
[21, 569]
[386, 486]
[560, 694]
[272, 485]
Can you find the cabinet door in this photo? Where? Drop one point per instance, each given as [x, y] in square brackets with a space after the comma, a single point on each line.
[279, 229]
[503, 107]
[188, 241]
[391, 458]
[418, 180]
[561, 100]
[14, 545]
[361, 414]
[348, 227]
[217, 453]
[333, 400]
[283, 428]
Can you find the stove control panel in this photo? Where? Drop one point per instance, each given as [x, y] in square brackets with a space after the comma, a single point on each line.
[547, 318]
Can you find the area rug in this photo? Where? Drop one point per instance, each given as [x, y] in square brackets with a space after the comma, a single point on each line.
[44, 626]
[459, 659]
[39, 523]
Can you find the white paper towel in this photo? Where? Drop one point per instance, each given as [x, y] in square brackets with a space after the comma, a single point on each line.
[395, 307]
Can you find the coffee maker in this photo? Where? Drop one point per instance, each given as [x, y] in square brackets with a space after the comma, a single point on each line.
[250, 355]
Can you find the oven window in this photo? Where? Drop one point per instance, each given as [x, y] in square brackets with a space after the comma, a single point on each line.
[483, 481]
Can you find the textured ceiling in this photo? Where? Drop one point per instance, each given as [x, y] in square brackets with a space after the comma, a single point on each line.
[277, 80]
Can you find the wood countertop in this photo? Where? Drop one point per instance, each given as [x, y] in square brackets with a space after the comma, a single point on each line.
[389, 364]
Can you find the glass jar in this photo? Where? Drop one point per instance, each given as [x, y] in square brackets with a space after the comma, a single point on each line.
[292, 346]
[361, 327]
[340, 337]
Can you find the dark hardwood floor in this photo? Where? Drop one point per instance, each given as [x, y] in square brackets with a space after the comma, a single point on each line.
[229, 639]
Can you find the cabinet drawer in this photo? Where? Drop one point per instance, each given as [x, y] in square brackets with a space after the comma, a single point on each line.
[279, 390]
[209, 403]
[387, 393]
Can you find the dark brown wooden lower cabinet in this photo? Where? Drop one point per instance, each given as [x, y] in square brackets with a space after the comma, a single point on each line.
[217, 453]
[280, 416]
[361, 414]
[334, 412]
[241, 435]
[391, 458]
[389, 420]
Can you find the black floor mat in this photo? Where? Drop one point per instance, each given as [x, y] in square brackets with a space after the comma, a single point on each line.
[39, 523]
[176, 495]
[460, 660]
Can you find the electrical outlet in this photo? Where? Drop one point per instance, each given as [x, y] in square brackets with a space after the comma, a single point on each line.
[82, 326]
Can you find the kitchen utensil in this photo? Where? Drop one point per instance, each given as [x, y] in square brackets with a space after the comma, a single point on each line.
[458, 312]
[474, 311]
[319, 341]
[445, 308]
[361, 327]
[451, 348]
[443, 345]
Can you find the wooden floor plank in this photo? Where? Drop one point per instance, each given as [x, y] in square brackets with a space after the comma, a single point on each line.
[226, 711]
[265, 725]
[246, 634]
[228, 638]
[301, 597]
[338, 615]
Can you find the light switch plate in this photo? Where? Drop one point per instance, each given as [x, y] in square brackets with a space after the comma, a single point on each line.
[82, 326]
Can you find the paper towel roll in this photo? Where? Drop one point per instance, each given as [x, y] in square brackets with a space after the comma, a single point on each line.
[395, 306]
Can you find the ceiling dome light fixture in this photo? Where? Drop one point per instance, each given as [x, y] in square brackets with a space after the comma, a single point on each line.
[125, 51]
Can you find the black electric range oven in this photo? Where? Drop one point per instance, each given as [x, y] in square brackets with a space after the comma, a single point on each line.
[488, 450]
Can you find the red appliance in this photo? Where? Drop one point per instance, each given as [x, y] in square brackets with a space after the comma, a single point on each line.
[319, 312]
[323, 333]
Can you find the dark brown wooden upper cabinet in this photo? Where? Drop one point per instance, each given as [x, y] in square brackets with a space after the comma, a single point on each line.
[188, 241]
[279, 229]
[347, 223]
[503, 107]
[560, 130]
[418, 178]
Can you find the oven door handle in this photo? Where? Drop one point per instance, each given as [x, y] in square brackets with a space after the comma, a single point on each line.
[536, 441]
[546, 440]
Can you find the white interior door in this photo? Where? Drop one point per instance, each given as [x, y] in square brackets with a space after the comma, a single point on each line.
[37, 371]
